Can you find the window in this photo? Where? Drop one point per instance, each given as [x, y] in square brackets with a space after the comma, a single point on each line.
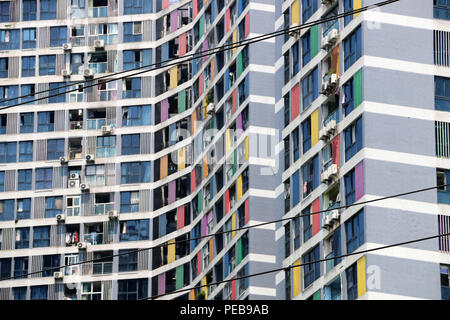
[106, 146]
[286, 68]
[354, 229]
[306, 133]
[95, 175]
[348, 6]
[48, 9]
[44, 177]
[22, 238]
[137, 6]
[128, 260]
[353, 139]
[133, 289]
[308, 9]
[306, 48]
[23, 208]
[29, 10]
[21, 266]
[71, 259]
[352, 48]
[136, 116]
[287, 240]
[25, 178]
[134, 230]
[132, 31]
[10, 39]
[50, 262]
[9, 93]
[129, 201]
[295, 59]
[29, 38]
[311, 271]
[310, 89]
[132, 59]
[135, 172]
[131, 144]
[91, 290]
[5, 268]
[8, 152]
[58, 36]
[53, 206]
[296, 144]
[6, 210]
[307, 224]
[442, 9]
[73, 205]
[3, 123]
[41, 237]
[28, 91]
[25, 151]
[442, 93]
[28, 66]
[348, 104]
[3, 66]
[55, 149]
[20, 293]
[59, 92]
[2, 181]
[4, 11]
[131, 88]
[39, 292]
[46, 121]
[296, 231]
[47, 65]
[349, 180]
[445, 281]
[352, 282]
[310, 172]
[98, 8]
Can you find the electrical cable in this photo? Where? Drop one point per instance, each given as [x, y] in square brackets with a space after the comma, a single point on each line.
[219, 233]
[193, 56]
[300, 265]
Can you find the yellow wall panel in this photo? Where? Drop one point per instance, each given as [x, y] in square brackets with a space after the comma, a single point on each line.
[194, 122]
[356, 5]
[211, 243]
[227, 140]
[246, 148]
[163, 167]
[296, 279]
[361, 269]
[212, 69]
[234, 40]
[173, 77]
[314, 127]
[205, 167]
[239, 188]
[181, 159]
[171, 251]
[205, 289]
[192, 295]
[233, 224]
[295, 12]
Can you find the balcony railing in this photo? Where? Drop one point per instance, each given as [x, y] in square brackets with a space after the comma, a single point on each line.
[103, 208]
[102, 267]
[76, 125]
[94, 238]
[332, 116]
[97, 12]
[95, 124]
[99, 67]
[330, 264]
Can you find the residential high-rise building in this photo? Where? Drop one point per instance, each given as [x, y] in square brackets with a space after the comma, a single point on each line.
[333, 114]
[365, 103]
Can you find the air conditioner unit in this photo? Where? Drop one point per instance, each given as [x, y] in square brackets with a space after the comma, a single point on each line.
[331, 127]
[323, 134]
[98, 44]
[58, 275]
[60, 217]
[324, 177]
[334, 215]
[333, 36]
[67, 46]
[326, 222]
[82, 245]
[74, 183]
[113, 214]
[84, 187]
[66, 73]
[210, 109]
[107, 129]
[90, 157]
[329, 85]
[74, 176]
[88, 73]
[332, 171]
[63, 160]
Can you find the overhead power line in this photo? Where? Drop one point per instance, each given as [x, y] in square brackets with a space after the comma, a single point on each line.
[299, 265]
[184, 59]
[219, 233]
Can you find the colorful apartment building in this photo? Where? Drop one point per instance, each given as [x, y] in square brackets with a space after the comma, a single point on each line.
[364, 106]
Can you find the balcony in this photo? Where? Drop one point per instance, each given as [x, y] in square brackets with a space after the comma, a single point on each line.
[330, 264]
[94, 238]
[97, 12]
[333, 116]
[100, 67]
[103, 208]
[102, 267]
[96, 124]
